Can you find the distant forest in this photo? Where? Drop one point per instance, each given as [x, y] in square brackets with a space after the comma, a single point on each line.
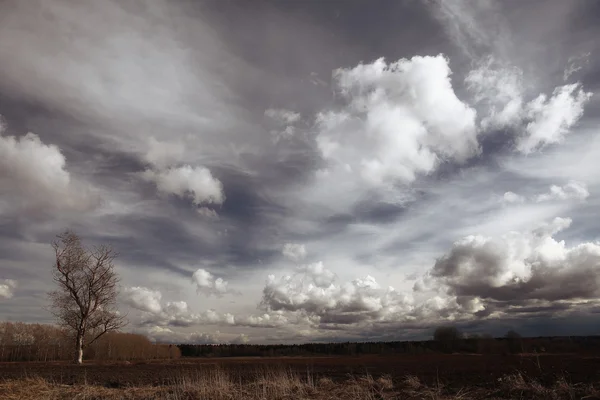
[473, 345]
[42, 342]
[39, 342]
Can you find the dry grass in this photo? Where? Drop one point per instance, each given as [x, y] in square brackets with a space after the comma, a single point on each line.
[274, 384]
[520, 386]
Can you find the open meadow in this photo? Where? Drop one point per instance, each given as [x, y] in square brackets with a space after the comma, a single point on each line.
[430, 376]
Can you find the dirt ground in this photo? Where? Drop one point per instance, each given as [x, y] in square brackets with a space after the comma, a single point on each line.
[451, 370]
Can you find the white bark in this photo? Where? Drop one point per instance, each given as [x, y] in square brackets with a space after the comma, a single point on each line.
[79, 350]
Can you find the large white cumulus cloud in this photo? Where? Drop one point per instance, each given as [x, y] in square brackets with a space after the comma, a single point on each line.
[33, 174]
[401, 119]
[519, 269]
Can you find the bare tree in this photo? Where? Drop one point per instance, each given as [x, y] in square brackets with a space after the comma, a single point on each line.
[86, 299]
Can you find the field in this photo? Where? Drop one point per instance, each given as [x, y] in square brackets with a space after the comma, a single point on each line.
[434, 376]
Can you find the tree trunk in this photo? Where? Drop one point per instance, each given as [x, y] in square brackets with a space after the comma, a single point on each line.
[79, 350]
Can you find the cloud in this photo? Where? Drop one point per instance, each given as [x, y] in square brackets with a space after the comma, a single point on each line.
[357, 301]
[164, 335]
[475, 26]
[401, 120]
[498, 89]
[143, 299]
[480, 279]
[161, 334]
[7, 288]
[576, 64]
[34, 175]
[294, 251]
[178, 313]
[571, 191]
[506, 97]
[208, 284]
[378, 180]
[285, 122]
[321, 276]
[171, 313]
[284, 117]
[208, 213]
[195, 182]
[204, 338]
[242, 338]
[538, 122]
[131, 68]
[520, 269]
[266, 320]
[184, 181]
[162, 154]
[176, 308]
[550, 119]
[511, 197]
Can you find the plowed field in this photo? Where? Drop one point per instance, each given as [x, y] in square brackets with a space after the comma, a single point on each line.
[451, 370]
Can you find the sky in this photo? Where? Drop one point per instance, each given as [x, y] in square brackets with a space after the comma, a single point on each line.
[300, 171]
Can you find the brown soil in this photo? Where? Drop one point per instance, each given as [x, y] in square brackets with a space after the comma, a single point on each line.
[450, 370]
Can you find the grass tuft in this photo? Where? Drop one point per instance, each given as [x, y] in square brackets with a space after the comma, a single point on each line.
[284, 384]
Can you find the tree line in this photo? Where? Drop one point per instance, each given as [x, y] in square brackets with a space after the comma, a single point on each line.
[511, 343]
[42, 342]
